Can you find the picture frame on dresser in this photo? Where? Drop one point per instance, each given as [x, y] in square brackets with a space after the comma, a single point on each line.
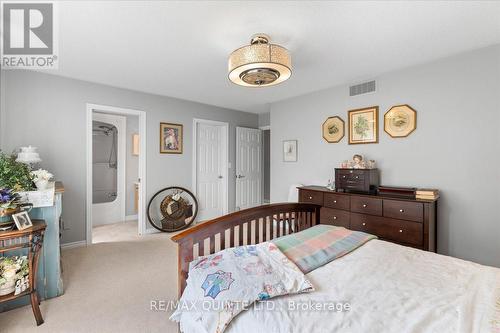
[363, 125]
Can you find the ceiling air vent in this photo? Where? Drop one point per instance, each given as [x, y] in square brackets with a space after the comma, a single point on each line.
[362, 88]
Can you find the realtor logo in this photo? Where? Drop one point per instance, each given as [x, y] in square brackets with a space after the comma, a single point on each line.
[28, 35]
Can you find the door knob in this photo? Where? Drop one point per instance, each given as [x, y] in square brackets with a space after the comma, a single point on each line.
[220, 177]
[240, 176]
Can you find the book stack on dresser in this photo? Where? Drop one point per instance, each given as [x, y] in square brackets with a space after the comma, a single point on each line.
[427, 194]
[406, 221]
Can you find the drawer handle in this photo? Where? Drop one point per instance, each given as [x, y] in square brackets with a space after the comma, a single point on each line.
[400, 230]
[365, 205]
[343, 177]
[335, 217]
[401, 210]
[310, 198]
[334, 201]
[364, 223]
[357, 177]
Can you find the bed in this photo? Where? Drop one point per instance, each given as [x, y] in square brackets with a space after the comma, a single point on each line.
[388, 287]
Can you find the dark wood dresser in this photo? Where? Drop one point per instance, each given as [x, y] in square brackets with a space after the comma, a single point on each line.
[409, 222]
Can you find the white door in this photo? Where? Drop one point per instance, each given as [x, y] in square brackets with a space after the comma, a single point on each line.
[211, 169]
[109, 173]
[248, 167]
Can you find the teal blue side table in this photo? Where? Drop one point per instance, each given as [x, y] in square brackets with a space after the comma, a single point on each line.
[49, 277]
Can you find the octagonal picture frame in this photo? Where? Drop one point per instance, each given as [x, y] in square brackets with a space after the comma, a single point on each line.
[333, 129]
[400, 121]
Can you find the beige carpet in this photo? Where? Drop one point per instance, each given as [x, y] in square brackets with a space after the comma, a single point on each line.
[108, 288]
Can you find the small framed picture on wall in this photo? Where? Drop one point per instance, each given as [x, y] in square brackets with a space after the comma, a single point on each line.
[170, 138]
[290, 151]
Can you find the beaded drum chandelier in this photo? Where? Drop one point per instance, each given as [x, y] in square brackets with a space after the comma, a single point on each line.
[259, 64]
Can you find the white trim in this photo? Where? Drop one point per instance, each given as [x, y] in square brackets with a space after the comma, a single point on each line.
[73, 245]
[131, 217]
[265, 128]
[197, 121]
[142, 164]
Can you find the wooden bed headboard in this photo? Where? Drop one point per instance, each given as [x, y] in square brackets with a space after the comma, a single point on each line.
[245, 227]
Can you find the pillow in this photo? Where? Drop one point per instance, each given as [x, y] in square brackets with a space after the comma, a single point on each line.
[221, 285]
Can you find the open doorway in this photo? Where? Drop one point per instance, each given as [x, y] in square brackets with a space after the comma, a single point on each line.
[115, 174]
[266, 161]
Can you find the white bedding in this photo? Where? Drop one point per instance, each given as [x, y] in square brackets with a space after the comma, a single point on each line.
[389, 288]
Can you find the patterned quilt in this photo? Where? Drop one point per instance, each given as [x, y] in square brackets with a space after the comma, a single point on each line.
[319, 245]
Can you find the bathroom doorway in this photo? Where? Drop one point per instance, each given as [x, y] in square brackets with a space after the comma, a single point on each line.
[115, 174]
[109, 168]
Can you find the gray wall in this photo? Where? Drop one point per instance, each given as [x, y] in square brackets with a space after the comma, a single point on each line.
[49, 112]
[456, 147]
[132, 166]
[264, 119]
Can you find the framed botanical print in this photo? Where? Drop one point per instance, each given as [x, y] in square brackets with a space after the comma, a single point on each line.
[400, 121]
[170, 138]
[363, 125]
[333, 129]
[290, 151]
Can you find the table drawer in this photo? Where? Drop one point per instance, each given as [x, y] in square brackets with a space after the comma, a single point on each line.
[391, 229]
[336, 217]
[366, 205]
[311, 196]
[337, 201]
[404, 210]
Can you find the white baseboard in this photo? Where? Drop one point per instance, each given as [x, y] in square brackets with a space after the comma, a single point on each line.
[131, 217]
[150, 231]
[72, 245]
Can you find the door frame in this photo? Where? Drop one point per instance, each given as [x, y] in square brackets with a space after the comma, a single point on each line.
[225, 153]
[90, 108]
[265, 128]
[121, 177]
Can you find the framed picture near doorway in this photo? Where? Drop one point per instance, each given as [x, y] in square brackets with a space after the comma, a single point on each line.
[170, 138]
[290, 151]
[363, 125]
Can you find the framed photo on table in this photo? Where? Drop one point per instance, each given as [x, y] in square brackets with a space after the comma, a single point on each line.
[22, 220]
[170, 138]
[363, 125]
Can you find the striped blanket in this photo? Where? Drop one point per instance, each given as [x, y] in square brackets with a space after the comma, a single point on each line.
[318, 245]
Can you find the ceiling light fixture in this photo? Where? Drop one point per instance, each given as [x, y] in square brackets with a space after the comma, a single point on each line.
[259, 64]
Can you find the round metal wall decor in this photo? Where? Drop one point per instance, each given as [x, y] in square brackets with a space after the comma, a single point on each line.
[172, 209]
[400, 121]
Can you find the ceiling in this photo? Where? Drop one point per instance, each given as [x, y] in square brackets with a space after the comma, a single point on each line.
[180, 48]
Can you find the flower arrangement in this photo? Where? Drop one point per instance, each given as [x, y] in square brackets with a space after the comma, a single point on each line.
[41, 174]
[14, 175]
[12, 269]
[8, 199]
[41, 178]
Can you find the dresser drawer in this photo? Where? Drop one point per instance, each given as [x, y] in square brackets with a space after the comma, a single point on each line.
[391, 229]
[336, 217]
[366, 205]
[337, 201]
[311, 196]
[404, 210]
